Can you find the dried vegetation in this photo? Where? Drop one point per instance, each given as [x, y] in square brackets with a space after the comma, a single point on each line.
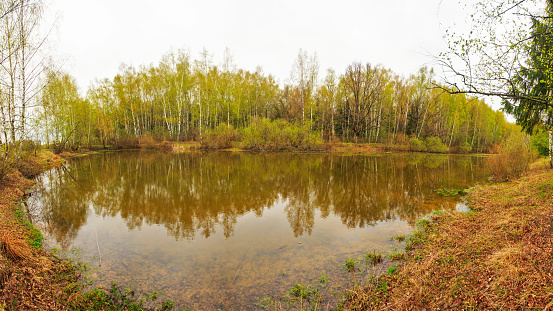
[498, 256]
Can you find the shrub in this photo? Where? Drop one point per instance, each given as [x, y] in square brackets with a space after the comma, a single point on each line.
[147, 141]
[126, 143]
[540, 142]
[416, 144]
[222, 137]
[29, 167]
[512, 160]
[166, 146]
[29, 147]
[464, 147]
[263, 134]
[434, 144]
[399, 141]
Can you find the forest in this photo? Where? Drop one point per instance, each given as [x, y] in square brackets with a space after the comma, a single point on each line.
[194, 99]
[185, 99]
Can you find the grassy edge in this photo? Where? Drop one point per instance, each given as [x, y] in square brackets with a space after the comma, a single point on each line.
[32, 277]
[496, 256]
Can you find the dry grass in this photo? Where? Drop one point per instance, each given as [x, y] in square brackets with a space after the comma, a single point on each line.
[500, 256]
[13, 247]
[512, 160]
[28, 279]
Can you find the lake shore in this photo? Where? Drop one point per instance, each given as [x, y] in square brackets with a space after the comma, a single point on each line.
[497, 256]
[30, 277]
[34, 278]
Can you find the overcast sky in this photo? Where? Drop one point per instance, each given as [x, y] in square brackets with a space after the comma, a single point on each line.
[95, 37]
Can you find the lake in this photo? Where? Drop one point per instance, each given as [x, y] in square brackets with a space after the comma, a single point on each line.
[221, 230]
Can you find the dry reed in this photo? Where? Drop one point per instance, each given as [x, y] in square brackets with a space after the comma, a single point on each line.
[13, 247]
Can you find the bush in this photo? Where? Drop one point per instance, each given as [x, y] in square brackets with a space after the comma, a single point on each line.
[416, 144]
[29, 167]
[263, 134]
[464, 147]
[147, 141]
[434, 144]
[222, 137]
[540, 142]
[512, 160]
[399, 142]
[166, 146]
[126, 143]
[5, 168]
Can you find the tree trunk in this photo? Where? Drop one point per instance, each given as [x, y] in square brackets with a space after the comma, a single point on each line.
[550, 148]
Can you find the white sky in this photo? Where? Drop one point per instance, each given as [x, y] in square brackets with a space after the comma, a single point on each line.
[95, 37]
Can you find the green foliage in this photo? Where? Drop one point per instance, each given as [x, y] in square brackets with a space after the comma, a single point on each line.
[382, 286]
[416, 145]
[391, 270]
[421, 224]
[264, 134]
[530, 91]
[221, 137]
[35, 236]
[396, 255]
[156, 101]
[350, 265]
[399, 238]
[323, 279]
[540, 142]
[464, 147]
[445, 192]
[117, 298]
[304, 292]
[373, 258]
[434, 144]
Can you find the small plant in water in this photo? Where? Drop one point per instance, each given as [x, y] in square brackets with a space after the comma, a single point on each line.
[396, 255]
[350, 266]
[323, 280]
[303, 294]
[373, 258]
[450, 192]
[398, 237]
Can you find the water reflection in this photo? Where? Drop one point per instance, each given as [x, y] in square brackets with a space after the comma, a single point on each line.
[218, 229]
[193, 192]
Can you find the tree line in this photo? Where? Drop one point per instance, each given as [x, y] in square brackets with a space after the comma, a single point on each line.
[183, 99]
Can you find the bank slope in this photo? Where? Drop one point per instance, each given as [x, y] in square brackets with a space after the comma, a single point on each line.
[498, 256]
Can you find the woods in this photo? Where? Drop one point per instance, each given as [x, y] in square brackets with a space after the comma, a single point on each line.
[186, 99]
[183, 99]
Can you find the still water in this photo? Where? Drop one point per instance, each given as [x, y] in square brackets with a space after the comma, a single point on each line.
[219, 230]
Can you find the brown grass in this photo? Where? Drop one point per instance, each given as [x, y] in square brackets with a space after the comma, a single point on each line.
[498, 257]
[29, 279]
[512, 160]
[13, 247]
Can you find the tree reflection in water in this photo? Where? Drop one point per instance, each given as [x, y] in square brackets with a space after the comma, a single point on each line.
[191, 194]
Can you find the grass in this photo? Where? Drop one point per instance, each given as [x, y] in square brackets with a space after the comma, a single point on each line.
[498, 256]
[396, 255]
[32, 278]
[398, 237]
[35, 237]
